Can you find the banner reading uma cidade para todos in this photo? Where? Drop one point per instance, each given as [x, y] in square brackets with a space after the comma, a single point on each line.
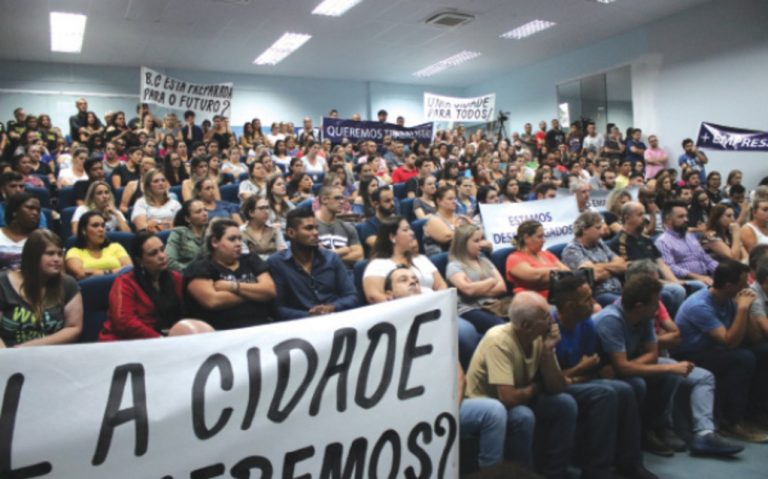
[448, 108]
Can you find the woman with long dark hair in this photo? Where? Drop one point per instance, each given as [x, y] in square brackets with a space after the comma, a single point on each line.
[186, 241]
[39, 304]
[145, 302]
[722, 236]
[93, 254]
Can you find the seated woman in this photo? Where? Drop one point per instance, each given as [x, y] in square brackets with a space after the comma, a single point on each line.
[722, 237]
[486, 195]
[146, 302]
[616, 199]
[756, 231]
[205, 191]
[279, 206]
[174, 169]
[510, 190]
[185, 243]
[198, 170]
[256, 184]
[70, 176]
[93, 254]
[99, 199]
[39, 304]
[362, 205]
[476, 278]
[529, 268]
[425, 205]
[438, 232]
[155, 210]
[135, 188]
[300, 188]
[22, 215]
[259, 237]
[233, 166]
[224, 288]
[395, 245]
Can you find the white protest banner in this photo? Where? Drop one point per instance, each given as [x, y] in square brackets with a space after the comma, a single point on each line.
[598, 199]
[448, 108]
[208, 100]
[557, 215]
[371, 392]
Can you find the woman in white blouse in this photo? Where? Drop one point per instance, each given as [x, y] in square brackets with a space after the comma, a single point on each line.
[156, 209]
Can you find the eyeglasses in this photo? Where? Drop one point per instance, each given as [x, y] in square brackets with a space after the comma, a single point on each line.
[262, 208]
[337, 198]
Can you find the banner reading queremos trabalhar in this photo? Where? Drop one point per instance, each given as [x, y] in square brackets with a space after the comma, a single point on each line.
[207, 100]
[717, 137]
[557, 215]
[355, 131]
[343, 395]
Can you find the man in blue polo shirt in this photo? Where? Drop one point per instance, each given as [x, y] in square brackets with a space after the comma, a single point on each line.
[309, 280]
[383, 200]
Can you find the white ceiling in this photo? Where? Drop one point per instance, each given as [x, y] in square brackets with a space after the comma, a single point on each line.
[381, 40]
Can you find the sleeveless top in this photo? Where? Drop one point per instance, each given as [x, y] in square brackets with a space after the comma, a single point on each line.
[432, 247]
[761, 237]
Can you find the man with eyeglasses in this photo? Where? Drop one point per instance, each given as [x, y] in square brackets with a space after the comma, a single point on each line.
[336, 235]
[310, 280]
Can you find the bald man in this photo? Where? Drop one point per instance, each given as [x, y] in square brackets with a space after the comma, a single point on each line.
[186, 327]
[516, 364]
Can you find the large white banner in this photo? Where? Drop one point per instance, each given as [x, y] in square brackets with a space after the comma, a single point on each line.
[371, 392]
[207, 100]
[557, 215]
[448, 108]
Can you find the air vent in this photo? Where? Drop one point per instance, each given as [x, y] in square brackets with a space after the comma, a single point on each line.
[450, 19]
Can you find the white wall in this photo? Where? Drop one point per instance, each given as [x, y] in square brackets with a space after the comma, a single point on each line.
[705, 64]
[53, 88]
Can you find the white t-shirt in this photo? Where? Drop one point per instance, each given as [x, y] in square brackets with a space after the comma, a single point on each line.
[594, 143]
[249, 188]
[235, 170]
[273, 138]
[163, 213]
[10, 252]
[316, 168]
[422, 268]
[68, 176]
[112, 222]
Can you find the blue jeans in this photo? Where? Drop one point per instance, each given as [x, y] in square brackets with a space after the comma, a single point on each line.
[605, 299]
[609, 426]
[485, 419]
[655, 397]
[468, 341]
[553, 419]
[483, 320]
[700, 385]
[672, 295]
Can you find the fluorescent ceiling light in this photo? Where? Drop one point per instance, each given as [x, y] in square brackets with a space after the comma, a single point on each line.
[606, 2]
[334, 8]
[449, 62]
[528, 29]
[67, 31]
[284, 46]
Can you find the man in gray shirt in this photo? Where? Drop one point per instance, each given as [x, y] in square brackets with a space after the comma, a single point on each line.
[336, 235]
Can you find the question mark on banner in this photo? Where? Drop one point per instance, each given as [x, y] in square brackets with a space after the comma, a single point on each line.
[227, 104]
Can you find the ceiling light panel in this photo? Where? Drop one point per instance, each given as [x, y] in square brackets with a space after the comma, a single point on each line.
[529, 29]
[284, 46]
[67, 32]
[334, 8]
[605, 2]
[449, 62]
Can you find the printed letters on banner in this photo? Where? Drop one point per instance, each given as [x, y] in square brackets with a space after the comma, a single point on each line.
[448, 108]
[557, 215]
[336, 130]
[717, 137]
[372, 392]
[208, 100]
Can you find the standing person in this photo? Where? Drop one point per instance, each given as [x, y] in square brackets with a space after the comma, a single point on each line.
[516, 364]
[190, 132]
[79, 120]
[93, 254]
[479, 284]
[259, 236]
[693, 159]
[224, 288]
[310, 280]
[656, 158]
[713, 326]
[186, 241]
[145, 302]
[593, 141]
[39, 304]
[635, 147]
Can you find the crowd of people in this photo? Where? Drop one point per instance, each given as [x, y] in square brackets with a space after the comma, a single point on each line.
[659, 300]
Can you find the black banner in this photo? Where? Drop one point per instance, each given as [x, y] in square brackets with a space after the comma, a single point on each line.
[355, 131]
[717, 137]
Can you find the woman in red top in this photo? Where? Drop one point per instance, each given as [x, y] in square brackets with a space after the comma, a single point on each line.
[529, 267]
[146, 302]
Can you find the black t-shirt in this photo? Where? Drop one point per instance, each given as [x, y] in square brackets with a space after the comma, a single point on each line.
[555, 138]
[248, 313]
[634, 248]
[222, 139]
[125, 174]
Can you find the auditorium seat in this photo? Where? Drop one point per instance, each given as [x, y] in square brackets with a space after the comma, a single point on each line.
[305, 204]
[163, 235]
[229, 193]
[119, 195]
[557, 249]
[65, 230]
[400, 191]
[499, 260]
[242, 177]
[418, 231]
[406, 209]
[53, 224]
[440, 260]
[317, 177]
[366, 249]
[95, 291]
[66, 198]
[316, 188]
[358, 271]
[176, 190]
[42, 194]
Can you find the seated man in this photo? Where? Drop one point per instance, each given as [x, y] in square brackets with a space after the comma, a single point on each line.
[681, 250]
[698, 386]
[483, 418]
[603, 403]
[629, 342]
[587, 250]
[94, 168]
[383, 201]
[713, 324]
[309, 280]
[337, 235]
[632, 245]
[757, 328]
[516, 364]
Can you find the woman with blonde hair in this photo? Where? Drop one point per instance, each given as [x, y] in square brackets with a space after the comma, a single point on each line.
[155, 210]
[616, 199]
[755, 232]
[99, 198]
[476, 278]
